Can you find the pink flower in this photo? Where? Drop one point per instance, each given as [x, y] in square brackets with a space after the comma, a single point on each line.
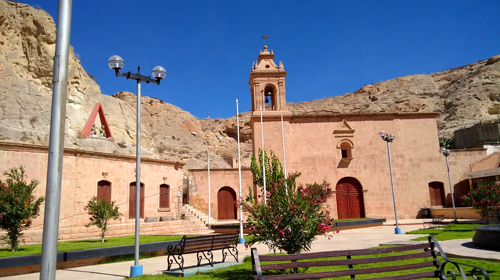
[337, 231]
[304, 218]
[246, 245]
[1, 216]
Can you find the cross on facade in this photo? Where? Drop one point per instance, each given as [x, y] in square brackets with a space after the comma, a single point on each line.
[265, 37]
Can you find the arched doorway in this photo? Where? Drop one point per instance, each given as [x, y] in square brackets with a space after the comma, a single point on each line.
[225, 202]
[350, 204]
[131, 201]
[436, 193]
[104, 190]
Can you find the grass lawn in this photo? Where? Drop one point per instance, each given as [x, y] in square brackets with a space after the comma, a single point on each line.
[244, 271]
[87, 244]
[447, 232]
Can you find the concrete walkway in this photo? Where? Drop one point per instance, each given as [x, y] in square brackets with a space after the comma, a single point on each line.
[348, 239]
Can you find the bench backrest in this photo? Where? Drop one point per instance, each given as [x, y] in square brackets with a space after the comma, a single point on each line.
[346, 265]
[210, 242]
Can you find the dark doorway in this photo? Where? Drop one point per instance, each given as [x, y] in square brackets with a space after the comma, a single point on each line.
[164, 196]
[131, 204]
[225, 202]
[436, 193]
[350, 204]
[104, 190]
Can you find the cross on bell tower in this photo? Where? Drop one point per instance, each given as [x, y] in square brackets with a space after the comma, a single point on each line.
[267, 82]
[264, 37]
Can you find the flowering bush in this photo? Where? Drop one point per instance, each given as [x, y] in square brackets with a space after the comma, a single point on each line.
[290, 221]
[484, 199]
[18, 205]
[101, 211]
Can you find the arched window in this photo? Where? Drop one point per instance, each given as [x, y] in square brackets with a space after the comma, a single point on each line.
[164, 196]
[270, 96]
[104, 190]
[345, 147]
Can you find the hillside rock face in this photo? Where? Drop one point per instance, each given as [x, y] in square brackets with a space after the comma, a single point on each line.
[462, 96]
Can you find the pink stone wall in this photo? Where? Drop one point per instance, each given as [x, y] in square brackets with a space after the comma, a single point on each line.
[81, 172]
[312, 148]
[219, 178]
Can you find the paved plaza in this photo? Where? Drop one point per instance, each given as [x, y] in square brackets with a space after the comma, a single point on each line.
[347, 239]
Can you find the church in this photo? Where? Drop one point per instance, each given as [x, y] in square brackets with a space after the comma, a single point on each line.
[345, 150]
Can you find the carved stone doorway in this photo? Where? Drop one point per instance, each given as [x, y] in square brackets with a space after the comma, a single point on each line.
[350, 203]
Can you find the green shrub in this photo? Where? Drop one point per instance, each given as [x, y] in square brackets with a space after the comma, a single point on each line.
[101, 211]
[18, 205]
[484, 199]
[293, 215]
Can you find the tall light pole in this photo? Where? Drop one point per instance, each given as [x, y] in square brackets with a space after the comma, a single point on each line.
[208, 162]
[389, 138]
[56, 142]
[116, 63]
[208, 170]
[446, 153]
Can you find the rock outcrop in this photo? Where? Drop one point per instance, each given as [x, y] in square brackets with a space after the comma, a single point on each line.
[462, 96]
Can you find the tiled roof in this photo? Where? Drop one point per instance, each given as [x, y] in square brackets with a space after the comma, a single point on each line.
[490, 162]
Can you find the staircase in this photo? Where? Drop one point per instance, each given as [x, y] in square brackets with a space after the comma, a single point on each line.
[194, 215]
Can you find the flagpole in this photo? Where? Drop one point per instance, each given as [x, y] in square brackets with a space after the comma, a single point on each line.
[242, 239]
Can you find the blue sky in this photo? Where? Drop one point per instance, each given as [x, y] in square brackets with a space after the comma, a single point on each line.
[328, 47]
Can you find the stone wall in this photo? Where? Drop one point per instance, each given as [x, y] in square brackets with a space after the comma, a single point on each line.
[219, 178]
[312, 147]
[81, 172]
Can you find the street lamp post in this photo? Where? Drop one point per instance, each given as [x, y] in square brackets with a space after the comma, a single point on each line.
[208, 169]
[446, 153]
[389, 138]
[116, 63]
[208, 162]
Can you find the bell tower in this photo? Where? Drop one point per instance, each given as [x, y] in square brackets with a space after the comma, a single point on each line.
[267, 83]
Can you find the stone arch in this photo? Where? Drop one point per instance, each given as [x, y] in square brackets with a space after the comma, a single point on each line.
[350, 201]
[345, 146]
[270, 90]
[226, 198]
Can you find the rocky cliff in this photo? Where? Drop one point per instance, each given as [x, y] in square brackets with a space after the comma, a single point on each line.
[462, 96]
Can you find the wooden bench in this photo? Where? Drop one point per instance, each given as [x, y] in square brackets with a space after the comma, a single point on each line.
[203, 246]
[349, 263]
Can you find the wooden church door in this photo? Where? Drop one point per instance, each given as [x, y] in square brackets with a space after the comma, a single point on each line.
[131, 204]
[350, 204]
[436, 193]
[225, 202]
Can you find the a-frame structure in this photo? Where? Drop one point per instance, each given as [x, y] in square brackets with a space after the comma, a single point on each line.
[90, 122]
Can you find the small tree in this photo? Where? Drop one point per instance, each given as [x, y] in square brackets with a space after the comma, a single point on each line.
[101, 211]
[293, 215]
[484, 199]
[18, 205]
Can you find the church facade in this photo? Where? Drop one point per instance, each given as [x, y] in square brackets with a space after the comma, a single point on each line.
[347, 151]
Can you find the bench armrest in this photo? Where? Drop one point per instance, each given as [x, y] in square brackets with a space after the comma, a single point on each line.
[257, 273]
[457, 265]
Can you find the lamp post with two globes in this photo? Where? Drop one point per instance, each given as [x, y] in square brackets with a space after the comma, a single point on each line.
[446, 153]
[389, 138]
[116, 63]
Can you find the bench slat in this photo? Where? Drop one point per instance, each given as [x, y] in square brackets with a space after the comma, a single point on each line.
[343, 253]
[326, 274]
[278, 266]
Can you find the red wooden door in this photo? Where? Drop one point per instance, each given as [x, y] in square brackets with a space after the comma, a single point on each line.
[131, 204]
[104, 190]
[349, 195]
[436, 193]
[225, 203]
